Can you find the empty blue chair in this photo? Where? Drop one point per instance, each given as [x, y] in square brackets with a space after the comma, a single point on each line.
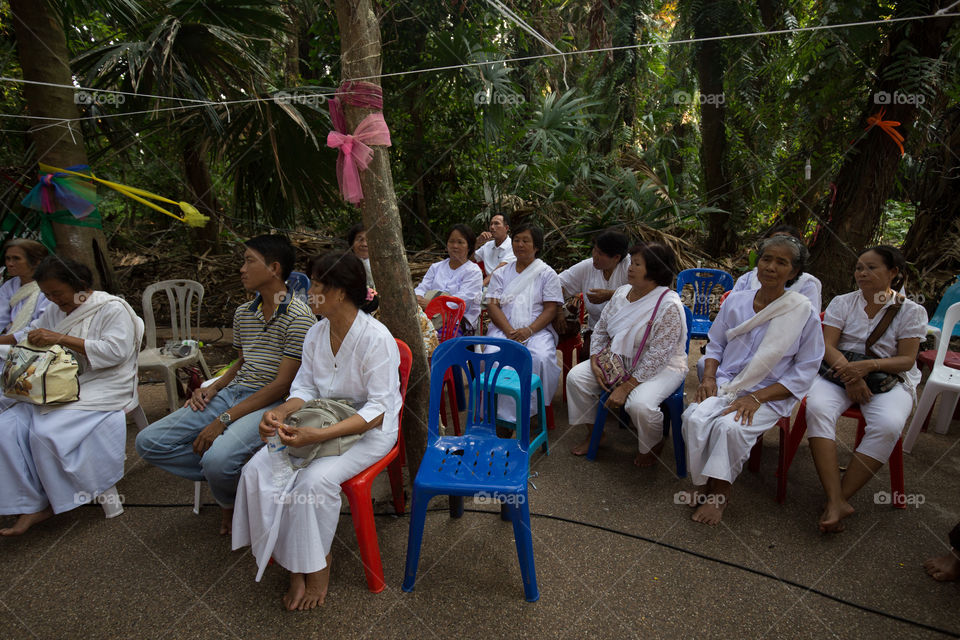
[298, 283]
[509, 384]
[674, 410]
[478, 463]
[703, 282]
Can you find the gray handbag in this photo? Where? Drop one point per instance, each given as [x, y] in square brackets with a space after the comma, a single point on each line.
[320, 414]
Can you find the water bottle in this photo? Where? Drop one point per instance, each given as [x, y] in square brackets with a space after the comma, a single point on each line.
[279, 461]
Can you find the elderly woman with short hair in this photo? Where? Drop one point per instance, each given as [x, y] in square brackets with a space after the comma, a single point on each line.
[764, 351]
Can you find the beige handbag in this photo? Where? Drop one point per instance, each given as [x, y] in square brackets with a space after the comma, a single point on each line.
[320, 414]
[41, 375]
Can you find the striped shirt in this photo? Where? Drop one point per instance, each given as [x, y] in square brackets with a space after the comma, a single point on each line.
[264, 343]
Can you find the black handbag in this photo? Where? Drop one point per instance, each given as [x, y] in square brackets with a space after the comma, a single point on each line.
[877, 381]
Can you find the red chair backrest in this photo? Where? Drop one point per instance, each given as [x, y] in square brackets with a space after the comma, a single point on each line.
[451, 309]
[406, 363]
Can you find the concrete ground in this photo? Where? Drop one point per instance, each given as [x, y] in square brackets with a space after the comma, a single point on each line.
[616, 557]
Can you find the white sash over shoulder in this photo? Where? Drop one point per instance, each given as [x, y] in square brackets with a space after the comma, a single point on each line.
[630, 320]
[787, 315]
[30, 293]
[519, 294]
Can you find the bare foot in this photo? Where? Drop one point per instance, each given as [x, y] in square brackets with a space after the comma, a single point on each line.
[226, 521]
[692, 498]
[711, 510]
[943, 568]
[650, 458]
[26, 521]
[316, 590]
[832, 516]
[294, 594]
[584, 447]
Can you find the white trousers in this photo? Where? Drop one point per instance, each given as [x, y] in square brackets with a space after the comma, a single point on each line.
[296, 524]
[63, 458]
[886, 413]
[643, 403]
[718, 445]
[543, 350]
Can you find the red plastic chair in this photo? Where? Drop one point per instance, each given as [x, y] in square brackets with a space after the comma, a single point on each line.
[757, 452]
[358, 489]
[568, 347]
[895, 463]
[452, 310]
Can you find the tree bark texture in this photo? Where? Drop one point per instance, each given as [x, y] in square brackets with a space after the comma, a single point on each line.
[713, 129]
[360, 58]
[42, 50]
[197, 172]
[868, 173]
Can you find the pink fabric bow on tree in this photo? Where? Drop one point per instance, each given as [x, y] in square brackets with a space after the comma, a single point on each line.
[355, 152]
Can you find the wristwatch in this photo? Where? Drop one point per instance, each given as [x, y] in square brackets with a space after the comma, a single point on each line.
[225, 418]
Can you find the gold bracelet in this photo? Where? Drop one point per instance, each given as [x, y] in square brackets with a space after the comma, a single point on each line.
[756, 399]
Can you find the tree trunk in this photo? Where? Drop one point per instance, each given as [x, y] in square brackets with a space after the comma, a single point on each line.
[360, 51]
[204, 198]
[42, 49]
[291, 46]
[869, 169]
[713, 129]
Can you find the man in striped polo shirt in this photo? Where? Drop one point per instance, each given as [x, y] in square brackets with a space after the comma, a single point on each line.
[216, 431]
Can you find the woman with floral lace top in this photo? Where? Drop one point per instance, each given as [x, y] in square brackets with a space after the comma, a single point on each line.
[662, 364]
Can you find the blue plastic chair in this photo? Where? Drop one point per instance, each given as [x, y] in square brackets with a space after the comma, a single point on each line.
[478, 463]
[673, 407]
[935, 326]
[299, 284]
[509, 384]
[703, 282]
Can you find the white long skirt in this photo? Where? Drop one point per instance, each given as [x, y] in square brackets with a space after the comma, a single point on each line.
[64, 458]
[718, 445]
[296, 524]
[543, 350]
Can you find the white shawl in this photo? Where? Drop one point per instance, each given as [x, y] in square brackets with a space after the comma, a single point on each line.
[519, 294]
[787, 315]
[630, 321]
[31, 293]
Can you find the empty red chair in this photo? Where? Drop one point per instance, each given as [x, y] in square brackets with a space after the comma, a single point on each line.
[358, 488]
[451, 310]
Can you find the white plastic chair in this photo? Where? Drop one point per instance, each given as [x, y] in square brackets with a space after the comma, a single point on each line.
[943, 379]
[182, 295]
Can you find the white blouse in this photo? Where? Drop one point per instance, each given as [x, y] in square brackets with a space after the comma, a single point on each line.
[848, 313]
[464, 282]
[8, 313]
[666, 344]
[491, 255]
[582, 277]
[797, 368]
[364, 371]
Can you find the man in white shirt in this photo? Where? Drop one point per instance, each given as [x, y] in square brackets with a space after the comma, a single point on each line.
[494, 247]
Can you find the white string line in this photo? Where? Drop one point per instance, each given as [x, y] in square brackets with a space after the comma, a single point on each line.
[471, 64]
[510, 15]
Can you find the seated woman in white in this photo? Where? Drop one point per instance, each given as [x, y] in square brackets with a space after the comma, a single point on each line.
[56, 458]
[764, 351]
[598, 277]
[662, 363]
[807, 284]
[349, 356]
[457, 276]
[21, 301]
[847, 323]
[522, 300]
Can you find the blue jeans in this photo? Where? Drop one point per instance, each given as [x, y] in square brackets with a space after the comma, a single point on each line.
[168, 443]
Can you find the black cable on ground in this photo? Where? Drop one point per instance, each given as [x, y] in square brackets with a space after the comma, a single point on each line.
[666, 545]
